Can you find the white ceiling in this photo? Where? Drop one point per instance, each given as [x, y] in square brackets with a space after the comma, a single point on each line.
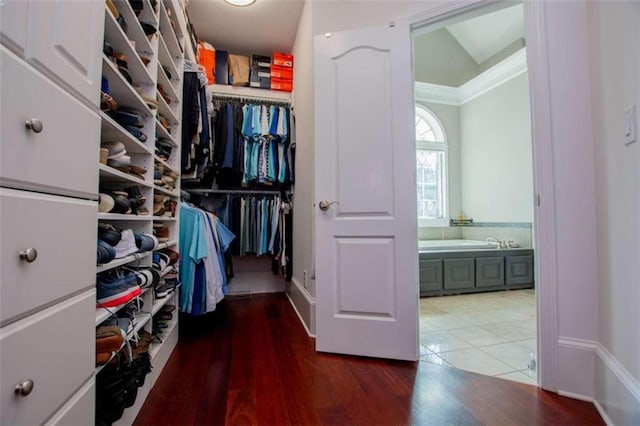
[265, 27]
[486, 35]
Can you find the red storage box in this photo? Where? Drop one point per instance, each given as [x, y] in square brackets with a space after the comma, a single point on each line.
[281, 84]
[285, 73]
[282, 60]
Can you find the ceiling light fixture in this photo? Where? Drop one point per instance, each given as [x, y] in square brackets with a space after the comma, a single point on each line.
[241, 3]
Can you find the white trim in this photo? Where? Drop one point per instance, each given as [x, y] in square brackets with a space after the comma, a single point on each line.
[446, 95]
[577, 396]
[603, 413]
[309, 299]
[629, 382]
[495, 76]
[613, 365]
[582, 344]
[545, 255]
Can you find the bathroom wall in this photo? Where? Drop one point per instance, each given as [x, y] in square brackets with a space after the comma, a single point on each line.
[496, 159]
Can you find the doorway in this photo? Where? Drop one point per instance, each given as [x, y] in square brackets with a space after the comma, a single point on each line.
[475, 194]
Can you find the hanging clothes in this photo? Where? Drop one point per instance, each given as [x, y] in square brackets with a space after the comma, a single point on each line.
[203, 241]
[264, 226]
[251, 145]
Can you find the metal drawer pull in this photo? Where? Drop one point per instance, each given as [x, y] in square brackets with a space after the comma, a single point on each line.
[325, 204]
[24, 388]
[34, 124]
[30, 254]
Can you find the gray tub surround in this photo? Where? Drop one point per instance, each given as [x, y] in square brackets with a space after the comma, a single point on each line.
[445, 272]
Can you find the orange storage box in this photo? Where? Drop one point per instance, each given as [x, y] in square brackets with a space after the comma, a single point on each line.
[281, 84]
[207, 58]
[284, 73]
[282, 60]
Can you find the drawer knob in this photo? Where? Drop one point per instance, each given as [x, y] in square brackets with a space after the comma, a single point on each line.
[29, 254]
[24, 388]
[34, 124]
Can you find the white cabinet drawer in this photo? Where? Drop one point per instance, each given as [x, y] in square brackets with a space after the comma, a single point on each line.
[55, 349]
[79, 410]
[14, 18]
[62, 231]
[62, 158]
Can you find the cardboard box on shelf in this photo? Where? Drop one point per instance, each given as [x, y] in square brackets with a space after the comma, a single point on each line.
[260, 61]
[281, 84]
[261, 72]
[284, 73]
[222, 67]
[282, 60]
[238, 70]
[207, 58]
[260, 82]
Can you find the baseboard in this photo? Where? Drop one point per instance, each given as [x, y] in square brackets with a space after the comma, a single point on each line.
[603, 414]
[301, 300]
[576, 396]
[629, 382]
[575, 367]
[615, 392]
[617, 396]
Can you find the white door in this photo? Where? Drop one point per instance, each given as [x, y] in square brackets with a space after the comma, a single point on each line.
[366, 242]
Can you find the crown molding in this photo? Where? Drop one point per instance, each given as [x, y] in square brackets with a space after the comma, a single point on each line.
[427, 92]
[495, 76]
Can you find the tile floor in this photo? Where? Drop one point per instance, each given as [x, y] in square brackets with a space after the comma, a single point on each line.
[487, 333]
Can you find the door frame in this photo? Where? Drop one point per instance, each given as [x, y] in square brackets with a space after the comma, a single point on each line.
[543, 172]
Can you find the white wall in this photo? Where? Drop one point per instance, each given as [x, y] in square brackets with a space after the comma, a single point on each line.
[496, 162]
[303, 99]
[615, 79]
[439, 59]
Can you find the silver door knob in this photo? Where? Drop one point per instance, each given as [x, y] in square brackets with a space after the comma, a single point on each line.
[34, 124]
[325, 204]
[24, 388]
[29, 254]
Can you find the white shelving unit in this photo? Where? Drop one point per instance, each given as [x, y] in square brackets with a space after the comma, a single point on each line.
[162, 50]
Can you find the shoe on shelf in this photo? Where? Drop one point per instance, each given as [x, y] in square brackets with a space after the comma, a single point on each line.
[109, 234]
[162, 290]
[106, 253]
[127, 244]
[173, 255]
[145, 242]
[161, 231]
[115, 289]
[106, 203]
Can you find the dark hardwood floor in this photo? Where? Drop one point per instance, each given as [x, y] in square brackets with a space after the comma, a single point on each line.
[251, 362]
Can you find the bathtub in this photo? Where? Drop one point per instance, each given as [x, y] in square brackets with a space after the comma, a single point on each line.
[454, 245]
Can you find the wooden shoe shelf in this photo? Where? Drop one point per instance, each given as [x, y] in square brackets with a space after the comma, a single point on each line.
[162, 50]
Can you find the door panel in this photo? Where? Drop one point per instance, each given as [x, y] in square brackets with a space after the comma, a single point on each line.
[54, 43]
[354, 264]
[366, 257]
[363, 79]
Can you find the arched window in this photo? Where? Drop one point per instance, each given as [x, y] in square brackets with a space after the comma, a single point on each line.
[431, 169]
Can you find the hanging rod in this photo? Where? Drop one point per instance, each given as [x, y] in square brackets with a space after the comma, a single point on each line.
[250, 99]
[233, 191]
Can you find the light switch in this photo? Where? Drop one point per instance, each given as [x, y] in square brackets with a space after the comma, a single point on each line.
[630, 125]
